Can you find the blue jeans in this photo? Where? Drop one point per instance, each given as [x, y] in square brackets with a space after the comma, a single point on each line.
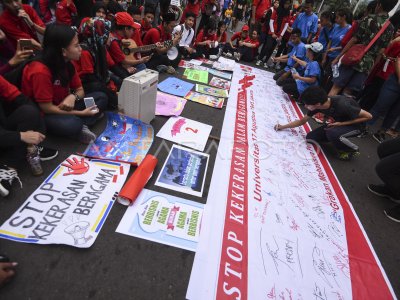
[388, 103]
[71, 125]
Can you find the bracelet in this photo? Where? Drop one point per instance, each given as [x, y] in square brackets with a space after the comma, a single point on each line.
[77, 98]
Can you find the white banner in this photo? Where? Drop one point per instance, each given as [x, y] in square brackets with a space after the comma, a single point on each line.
[70, 206]
[277, 224]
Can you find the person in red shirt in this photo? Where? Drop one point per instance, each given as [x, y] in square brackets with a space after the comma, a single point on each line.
[259, 8]
[66, 12]
[126, 31]
[20, 21]
[47, 10]
[193, 6]
[162, 33]
[206, 41]
[221, 34]
[54, 85]
[147, 21]
[248, 48]
[230, 47]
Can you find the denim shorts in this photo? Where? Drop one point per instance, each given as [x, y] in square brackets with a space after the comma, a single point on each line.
[350, 78]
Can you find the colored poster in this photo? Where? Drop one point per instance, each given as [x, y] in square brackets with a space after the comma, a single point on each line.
[186, 64]
[220, 83]
[169, 105]
[196, 75]
[164, 219]
[124, 139]
[195, 62]
[186, 132]
[204, 60]
[184, 171]
[204, 89]
[175, 86]
[70, 206]
[220, 74]
[224, 64]
[205, 99]
[277, 224]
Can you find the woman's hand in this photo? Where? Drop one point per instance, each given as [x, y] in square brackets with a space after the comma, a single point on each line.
[90, 111]
[68, 103]
[19, 56]
[32, 137]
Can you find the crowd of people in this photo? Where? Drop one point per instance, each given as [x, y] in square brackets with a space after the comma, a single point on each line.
[55, 54]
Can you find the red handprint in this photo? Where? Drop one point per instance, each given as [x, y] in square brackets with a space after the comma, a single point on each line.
[76, 167]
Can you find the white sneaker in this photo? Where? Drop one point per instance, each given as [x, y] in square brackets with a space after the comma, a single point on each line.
[266, 65]
[7, 176]
[237, 56]
[213, 57]
[278, 67]
[228, 54]
[258, 62]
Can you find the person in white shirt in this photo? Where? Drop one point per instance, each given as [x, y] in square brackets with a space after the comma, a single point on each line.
[185, 44]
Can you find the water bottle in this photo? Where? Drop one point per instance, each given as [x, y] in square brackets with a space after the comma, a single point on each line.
[335, 71]
[33, 159]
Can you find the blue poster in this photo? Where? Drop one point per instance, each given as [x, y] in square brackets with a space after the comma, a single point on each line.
[175, 86]
[124, 139]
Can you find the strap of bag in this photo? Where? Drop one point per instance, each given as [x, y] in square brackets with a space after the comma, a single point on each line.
[387, 23]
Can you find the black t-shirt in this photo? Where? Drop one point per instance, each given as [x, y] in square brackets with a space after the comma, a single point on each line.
[342, 109]
[240, 4]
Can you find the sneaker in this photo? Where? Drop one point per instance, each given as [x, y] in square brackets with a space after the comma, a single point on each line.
[237, 56]
[224, 53]
[379, 137]
[162, 68]
[7, 176]
[228, 54]
[170, 70]
[213, 57]
[346, 156]
[258, 62]
[86, 136]
[33, 159]
[319, 118]
[363, 133]
[393, 213]
[46, 153]
[270, 63]
[329, 120]
[278, 67]
[266, 65]
[382, 191]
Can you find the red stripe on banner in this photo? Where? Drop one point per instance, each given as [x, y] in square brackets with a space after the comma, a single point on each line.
[367, 279]
[232, 277]
[121, 170]
[115, 177]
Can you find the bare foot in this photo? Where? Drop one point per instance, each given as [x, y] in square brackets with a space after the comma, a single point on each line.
[7, 271]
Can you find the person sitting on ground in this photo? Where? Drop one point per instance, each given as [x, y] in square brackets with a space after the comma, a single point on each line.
[147, 21]
[388, 170]
[13, 60]
[161, 36]
[66, 12]
[21, 129]
[296, 85]
[185, 47]
[53, 83]
[347, 114]
[298, 50]
[126, 31]
[230, 47]
[248, 48]
[307, 22]
[206, 41]
[20, 21]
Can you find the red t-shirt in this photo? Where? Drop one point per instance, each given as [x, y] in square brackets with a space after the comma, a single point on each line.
[145, 27]
[38, 84]
[115, 49]
[85, 65]
[392, 51]
[155, 35]
[64, 12]
[15, 27]
[237, 36]
[201, 37]
[45, 10]
[261, 7]
[8, 91]
[222, 38]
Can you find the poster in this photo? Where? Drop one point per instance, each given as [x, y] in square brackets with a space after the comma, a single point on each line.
[220, 74]
[70, 206]
[204, 60]
[175, 86]
[205, 99]
[277, 224]
[124, 139]
[186, 132]
[205, 89]
[224, 64]
[185, 64]
[164, 219]
[196, 75]
[169, 105]
[184, 171]
[195, 62]
[220, 83]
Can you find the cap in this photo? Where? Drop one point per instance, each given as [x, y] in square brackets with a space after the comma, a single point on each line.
[315, 47]
[245, 28]
[125, 19]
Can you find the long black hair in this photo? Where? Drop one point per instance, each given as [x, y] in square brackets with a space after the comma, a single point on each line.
[57, 37]
[282, 12]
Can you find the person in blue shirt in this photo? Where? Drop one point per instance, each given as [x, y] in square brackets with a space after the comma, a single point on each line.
[307, 22]
[296, 85]
[326, 22]
[298, 50]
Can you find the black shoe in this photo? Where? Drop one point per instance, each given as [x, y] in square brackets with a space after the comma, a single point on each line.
[383, 191]
[393, 213]
[379, 137]
[46, 153]
[7, 176]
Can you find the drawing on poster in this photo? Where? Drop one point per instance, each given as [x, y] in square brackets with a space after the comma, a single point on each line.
[208, 90]
[169, 105]
[175, 86]
[205, 99]
[196, 75]
[220, 83]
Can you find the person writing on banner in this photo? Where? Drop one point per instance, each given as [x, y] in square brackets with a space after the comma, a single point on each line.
[187, 32]
[20, 21]
[348, 118]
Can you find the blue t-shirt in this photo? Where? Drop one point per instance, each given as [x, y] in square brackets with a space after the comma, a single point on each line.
[336, 37]
[300, 52]
[226, 4]
[307, 24]
[312, 70]
[324, 36]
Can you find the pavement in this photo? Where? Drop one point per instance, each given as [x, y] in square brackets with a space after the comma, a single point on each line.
[124, 267]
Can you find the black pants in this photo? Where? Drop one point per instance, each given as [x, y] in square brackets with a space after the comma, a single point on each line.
[247, 53]
[370, 93]
[204, 50]
[388, 168]
[204, 20]
[268, 48]
[281, 77]
[24, 118]
[162, 59]
[338, 136]
[289, 86]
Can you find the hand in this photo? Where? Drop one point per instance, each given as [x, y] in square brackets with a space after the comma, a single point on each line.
[241, 43]
[335, 61]
[131, 70]
[295, 76]
[7, 271]
[208, 43]
[294, 57]
[278, 127]
[274, 36]
[159, 45]
[145, 59]
[22, 14]
[2, 36]
[32, 137]
[75, 166]
[90, 111]
[335, 124]
[279, 38]
[68, 103]
[19, 56]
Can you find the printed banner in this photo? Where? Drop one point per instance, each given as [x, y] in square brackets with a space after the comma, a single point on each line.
[277, 224]
[184, 171]
[196, 75]
[163, 219]
[124, 139]
[205, 99]
[186, 132]
[169, 105]
[70, 206]
[186, 64]
[220, 74]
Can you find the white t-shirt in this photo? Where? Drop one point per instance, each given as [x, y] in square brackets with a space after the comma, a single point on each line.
[187, 35]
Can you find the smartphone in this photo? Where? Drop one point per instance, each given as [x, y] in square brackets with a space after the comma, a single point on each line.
[89, 102]
[25, 44]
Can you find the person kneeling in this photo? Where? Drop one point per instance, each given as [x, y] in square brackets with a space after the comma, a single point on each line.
[348, 120]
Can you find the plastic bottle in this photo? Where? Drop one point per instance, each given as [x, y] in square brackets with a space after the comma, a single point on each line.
[33, 159]
[335, 71]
